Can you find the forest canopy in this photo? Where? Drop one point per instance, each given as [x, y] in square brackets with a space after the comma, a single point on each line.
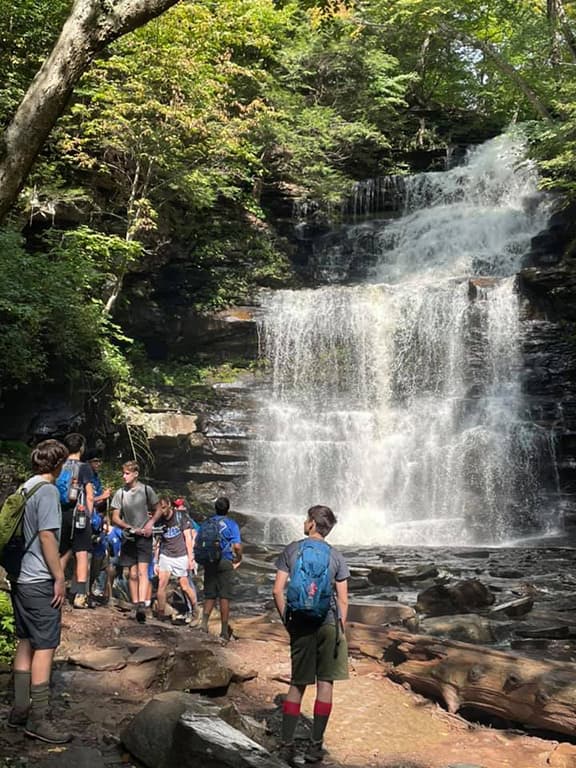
[181, 132]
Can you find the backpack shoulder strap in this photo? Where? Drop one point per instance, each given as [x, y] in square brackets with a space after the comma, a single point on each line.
[32, 491]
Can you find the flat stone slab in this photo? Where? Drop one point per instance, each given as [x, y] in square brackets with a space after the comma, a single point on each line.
[381, 612]
[147, 653]
[100, 660]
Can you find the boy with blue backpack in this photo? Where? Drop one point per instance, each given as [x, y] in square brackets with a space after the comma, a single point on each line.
[314, 608]
[76, 489]
[218, 548]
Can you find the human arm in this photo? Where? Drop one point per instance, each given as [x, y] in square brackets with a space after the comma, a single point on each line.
[342, 600]
[51, 555]
[236, 554]
[278, 592]
[118, 521]
[154, 511]
[189, 536]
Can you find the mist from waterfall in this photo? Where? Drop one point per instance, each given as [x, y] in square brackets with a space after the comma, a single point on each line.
[398, 402]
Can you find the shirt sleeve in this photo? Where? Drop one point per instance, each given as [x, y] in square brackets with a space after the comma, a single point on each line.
[342, 570]
[232, 531]
[152, 498]
[49, 515]
[283, 560]
[117, 500]
[85, 474]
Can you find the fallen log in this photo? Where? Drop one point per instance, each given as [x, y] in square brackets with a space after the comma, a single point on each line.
[540, 694]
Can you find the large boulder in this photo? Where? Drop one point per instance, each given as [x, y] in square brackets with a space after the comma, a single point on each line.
[197, 669]
[149, 735]
[465, 596]
[211, 742]
[180, 729]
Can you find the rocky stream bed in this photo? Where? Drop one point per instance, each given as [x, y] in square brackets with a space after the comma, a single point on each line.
[108, 668]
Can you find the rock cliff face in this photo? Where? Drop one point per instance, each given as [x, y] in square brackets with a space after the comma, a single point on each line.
[548, 285]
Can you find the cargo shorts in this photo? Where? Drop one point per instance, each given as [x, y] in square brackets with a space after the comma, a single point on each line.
[318, 655]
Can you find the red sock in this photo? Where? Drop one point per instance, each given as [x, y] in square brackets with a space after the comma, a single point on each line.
[290, 715]
[322, 711]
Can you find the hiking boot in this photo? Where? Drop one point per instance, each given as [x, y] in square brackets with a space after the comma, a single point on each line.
[287, 753]
[315, 752]
[141, 613]
[18, 717]
[39, 726]
[80, 601]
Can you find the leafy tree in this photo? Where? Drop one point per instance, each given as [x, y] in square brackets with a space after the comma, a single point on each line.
[90, 27]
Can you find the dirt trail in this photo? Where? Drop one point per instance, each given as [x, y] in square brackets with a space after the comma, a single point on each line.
[375, 723]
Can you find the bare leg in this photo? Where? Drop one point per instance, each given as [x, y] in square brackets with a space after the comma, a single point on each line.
[187, 589]
[42, 666]
[133, 583]
[23, 657]
[144, 585]
[163, 580]
[208, 608]
[81, 567]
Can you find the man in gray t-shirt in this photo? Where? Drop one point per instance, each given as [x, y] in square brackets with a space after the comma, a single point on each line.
[135, 509]
[37, 595]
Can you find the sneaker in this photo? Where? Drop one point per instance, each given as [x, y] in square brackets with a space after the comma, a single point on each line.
[18, 717]
[80, 601]
[315, 752]
[141, 613]
[39, 726]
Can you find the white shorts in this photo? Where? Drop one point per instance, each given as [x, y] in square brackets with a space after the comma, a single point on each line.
[176, 566]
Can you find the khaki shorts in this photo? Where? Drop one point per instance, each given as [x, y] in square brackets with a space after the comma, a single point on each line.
[219, 580]
[320, 655]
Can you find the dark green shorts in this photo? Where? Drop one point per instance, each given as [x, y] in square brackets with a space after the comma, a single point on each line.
[320, 655]
[219, 580]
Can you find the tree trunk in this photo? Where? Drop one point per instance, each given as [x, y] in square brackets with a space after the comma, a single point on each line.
[541, 694]
[91, 26]
[565, 27]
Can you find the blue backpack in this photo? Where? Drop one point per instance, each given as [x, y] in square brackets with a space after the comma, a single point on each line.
[67, 482]
[309, 593]
[209, 543]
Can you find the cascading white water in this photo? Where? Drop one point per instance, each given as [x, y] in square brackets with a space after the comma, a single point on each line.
[398, 402]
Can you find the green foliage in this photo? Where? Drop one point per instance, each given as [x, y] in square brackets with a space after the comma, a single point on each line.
[51, 316]
[28, 29]
[7, 629]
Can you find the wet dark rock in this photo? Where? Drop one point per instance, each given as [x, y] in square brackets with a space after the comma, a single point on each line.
[73, 757]
[420, 574]
[528, 644]
[463, 597]
[473, 553]
[383, 577]
[553, 632]
[514, 608]
[467, 628]
[506, 573]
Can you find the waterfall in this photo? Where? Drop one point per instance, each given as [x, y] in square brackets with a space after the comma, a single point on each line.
[398, 402]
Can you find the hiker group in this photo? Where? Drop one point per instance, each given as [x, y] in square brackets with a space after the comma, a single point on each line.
[63, 514]
[62, 517]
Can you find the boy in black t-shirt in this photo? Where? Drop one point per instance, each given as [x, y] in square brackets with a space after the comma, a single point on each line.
[76, 538]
